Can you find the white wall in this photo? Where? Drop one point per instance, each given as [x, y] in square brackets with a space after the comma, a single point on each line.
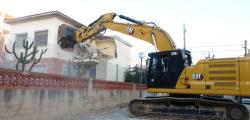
[116, 67]
[50, 24]
[123, 54]
[101, 70]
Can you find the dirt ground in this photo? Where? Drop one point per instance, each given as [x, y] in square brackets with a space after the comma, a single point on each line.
[115, 114]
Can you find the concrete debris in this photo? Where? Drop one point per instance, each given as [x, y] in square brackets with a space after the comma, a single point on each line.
[88, 50]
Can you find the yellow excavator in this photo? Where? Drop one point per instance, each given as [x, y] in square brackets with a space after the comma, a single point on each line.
[194, 91]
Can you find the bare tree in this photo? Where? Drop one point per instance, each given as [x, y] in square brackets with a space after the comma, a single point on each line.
[26, 57]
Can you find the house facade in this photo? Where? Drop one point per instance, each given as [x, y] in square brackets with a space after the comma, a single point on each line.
[42, 29]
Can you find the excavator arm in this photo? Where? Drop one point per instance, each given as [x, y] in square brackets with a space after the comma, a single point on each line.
[148, 32]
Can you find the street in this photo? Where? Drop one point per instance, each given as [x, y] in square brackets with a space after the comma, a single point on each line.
[116, 114]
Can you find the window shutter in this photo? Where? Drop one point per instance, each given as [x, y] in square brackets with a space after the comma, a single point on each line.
[41, 38]
[19, 39]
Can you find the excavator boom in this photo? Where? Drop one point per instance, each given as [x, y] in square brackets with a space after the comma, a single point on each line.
[148, 32]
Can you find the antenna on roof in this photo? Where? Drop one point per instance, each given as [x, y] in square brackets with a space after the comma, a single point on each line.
[184, 36]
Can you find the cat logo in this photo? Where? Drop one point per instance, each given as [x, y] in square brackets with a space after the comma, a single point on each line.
[130, 30]
[197, 76]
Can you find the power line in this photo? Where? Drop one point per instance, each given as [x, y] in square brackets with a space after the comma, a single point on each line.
[216, 46]
[216, 51]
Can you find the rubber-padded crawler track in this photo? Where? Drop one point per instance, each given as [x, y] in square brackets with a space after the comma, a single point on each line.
[205, 108]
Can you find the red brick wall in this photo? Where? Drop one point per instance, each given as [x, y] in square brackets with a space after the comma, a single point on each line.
[36, 96]
[17, 79]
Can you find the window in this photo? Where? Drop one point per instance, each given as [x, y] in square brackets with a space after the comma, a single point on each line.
[19, 39]
[41, 38]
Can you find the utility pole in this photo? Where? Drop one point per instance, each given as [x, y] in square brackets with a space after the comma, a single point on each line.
[184, 36]
[208, 56]
[141, 56]
[245, 47]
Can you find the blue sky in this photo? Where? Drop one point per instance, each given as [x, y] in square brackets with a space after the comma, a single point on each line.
[218, 26]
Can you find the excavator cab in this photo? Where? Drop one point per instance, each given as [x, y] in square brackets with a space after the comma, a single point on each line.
[166, 67]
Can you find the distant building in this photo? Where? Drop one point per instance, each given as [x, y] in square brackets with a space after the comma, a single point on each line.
[4, 33]
[113, 69]
[43, 28]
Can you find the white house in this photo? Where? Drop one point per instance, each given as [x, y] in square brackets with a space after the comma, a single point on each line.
[43, 28]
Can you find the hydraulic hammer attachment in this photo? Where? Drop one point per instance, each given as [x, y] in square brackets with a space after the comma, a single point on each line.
[66, 37]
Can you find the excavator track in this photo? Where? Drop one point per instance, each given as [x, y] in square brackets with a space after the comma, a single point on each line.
[205, 108]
